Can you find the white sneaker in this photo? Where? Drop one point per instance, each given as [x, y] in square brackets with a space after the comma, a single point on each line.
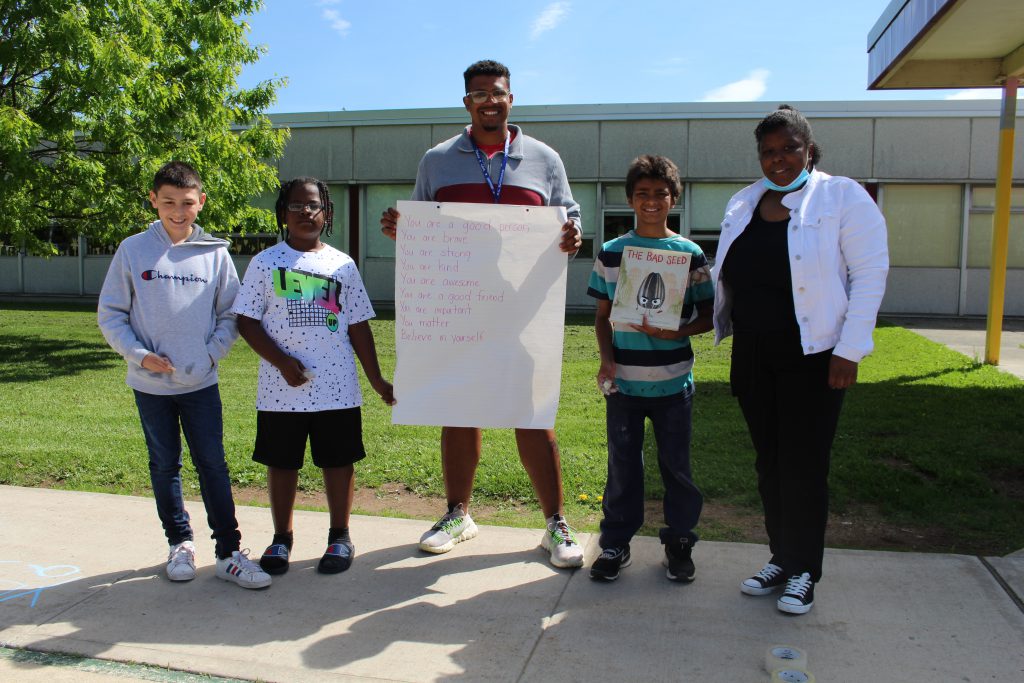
[560, 540]
[455, 527]
[243, 571]
[181, 562]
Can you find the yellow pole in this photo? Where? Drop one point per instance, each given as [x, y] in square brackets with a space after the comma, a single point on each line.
[1001, 223]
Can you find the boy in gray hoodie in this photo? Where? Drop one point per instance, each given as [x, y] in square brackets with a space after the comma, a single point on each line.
[165, 307]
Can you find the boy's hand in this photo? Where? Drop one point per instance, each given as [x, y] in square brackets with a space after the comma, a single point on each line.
[155, 363]
[655, 332]
[606, 379]
[385, 390]
[389, 223]
[572, 238]
[293, 371]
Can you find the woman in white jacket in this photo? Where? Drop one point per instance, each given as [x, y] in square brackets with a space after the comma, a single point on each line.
[800, 274]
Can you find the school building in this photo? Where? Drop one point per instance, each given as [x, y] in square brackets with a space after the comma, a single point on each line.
[931, 165]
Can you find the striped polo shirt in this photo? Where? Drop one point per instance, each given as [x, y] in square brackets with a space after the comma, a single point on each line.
[644, 365]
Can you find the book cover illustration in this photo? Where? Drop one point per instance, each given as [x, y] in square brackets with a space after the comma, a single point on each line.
[652, 282]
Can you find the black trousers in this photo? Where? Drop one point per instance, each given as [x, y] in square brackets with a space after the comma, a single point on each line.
[791, 414]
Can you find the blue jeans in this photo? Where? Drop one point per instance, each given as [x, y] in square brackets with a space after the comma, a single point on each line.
[198, 414]
[623, 503]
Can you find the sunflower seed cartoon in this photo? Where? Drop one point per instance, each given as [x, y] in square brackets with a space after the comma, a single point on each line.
[651, 295]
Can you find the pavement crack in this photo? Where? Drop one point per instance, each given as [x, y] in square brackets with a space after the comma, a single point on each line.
[86, 598]
[547, 621]
[1002, 583]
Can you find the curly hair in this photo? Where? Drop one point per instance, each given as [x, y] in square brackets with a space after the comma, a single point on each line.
[486, 67]
[653, 167]
[791, 119]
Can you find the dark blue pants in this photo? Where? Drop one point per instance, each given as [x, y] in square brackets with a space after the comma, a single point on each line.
[623, 504]
[198, 414]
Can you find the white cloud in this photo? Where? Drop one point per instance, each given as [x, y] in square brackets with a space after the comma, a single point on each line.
[744, 90]
[978, 94]
[337, 23]
[552, 15]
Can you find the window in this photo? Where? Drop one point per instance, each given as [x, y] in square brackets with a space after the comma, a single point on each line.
[979, 229]
[924, 224]
[378, 198]
[585, 195]
[707, 206]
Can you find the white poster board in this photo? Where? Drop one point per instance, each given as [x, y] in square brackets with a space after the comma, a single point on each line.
[479, 314]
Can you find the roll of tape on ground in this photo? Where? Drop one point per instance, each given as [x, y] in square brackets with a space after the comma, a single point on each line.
[792, 675]
[784, 657]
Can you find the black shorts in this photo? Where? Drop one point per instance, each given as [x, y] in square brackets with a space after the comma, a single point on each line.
[335, 438]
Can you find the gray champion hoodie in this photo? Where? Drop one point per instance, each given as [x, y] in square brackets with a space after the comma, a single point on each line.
[173, 300]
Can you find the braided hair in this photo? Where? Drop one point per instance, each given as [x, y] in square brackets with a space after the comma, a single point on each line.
[281, 207]
[791, 119]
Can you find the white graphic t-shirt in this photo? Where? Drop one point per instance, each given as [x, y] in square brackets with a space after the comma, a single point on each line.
[306, 301]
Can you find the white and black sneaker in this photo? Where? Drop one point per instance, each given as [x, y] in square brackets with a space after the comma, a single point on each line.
[765, 581]
[606, 567]
[799, 595]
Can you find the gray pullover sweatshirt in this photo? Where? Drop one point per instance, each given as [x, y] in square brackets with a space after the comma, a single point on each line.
[173, 300]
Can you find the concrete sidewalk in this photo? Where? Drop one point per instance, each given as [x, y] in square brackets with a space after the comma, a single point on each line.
[967, 336]
[82, 573]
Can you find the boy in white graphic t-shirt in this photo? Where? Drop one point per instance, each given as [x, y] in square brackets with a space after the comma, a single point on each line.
[303, 308]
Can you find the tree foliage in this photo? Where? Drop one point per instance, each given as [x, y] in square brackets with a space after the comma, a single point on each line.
[96, 95]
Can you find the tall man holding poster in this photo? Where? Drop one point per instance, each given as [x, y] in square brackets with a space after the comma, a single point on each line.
[495, 162]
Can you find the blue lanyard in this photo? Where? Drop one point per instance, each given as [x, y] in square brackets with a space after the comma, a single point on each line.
[495, 191]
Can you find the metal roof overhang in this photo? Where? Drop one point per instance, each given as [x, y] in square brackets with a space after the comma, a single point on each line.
[919, 44]
[960, 44]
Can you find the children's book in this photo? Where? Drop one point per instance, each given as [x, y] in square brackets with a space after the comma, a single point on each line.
[652, 282]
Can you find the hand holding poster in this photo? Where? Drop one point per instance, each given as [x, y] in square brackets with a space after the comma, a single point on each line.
[479, 314]
[652, 283]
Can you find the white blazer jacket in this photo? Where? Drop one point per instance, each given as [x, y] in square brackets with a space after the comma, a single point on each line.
[838, 256]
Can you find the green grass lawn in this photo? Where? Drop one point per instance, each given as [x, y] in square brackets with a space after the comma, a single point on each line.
[927, 437]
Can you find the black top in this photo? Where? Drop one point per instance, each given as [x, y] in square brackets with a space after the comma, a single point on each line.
[756, 270]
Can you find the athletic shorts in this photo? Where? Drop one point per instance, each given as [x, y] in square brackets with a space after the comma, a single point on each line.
[335, 438]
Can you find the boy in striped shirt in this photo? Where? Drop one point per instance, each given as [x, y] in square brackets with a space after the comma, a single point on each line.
[646, 374]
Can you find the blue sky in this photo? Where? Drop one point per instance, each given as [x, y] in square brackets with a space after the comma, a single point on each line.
[400, 54]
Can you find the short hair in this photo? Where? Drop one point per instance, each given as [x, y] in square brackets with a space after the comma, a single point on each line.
[654, 167]
[177, 174]
[281, 206]
[791, 119]
[486, 67]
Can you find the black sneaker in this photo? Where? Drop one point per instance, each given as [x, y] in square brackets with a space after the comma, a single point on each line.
[799, 595]
[770, 577]
[338, 558]
[679, 561]
[607, 566]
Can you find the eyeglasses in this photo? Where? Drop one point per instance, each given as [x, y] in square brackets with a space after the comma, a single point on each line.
[313, 207]
[481, 96]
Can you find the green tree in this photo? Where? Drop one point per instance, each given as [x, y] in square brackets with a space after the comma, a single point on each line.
[96, 95]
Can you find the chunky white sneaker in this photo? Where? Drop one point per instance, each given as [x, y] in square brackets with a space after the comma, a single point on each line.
[243, 571]
[560, 540]
[181, 562]
[455, 527]
[765, 581]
